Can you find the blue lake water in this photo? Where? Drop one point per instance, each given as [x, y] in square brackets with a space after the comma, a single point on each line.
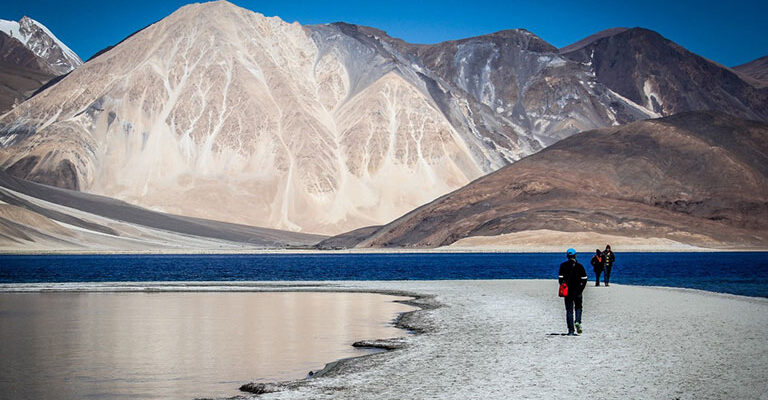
[736, 273]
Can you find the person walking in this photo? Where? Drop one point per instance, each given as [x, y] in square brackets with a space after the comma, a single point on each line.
[597, 265]
[608, 259]
[575, 277]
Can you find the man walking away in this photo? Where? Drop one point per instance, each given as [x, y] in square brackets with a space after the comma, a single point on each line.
[573, 274]
[597, 265]
[608, 260]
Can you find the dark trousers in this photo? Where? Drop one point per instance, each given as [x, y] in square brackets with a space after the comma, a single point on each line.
[570, 301]
[607, 274]
[598, 271]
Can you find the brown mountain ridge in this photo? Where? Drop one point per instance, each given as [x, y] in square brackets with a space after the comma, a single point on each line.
[698, 178]
[21, 72]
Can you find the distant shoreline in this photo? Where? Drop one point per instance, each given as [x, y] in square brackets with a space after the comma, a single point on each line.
[446, 250]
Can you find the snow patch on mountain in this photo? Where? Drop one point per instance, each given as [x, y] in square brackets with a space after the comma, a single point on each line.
[654, 101]
[43, 43]
[11, 28]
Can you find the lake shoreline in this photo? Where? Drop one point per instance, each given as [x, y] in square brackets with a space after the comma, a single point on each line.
[446, 250]
[473, 330]
[339, 370]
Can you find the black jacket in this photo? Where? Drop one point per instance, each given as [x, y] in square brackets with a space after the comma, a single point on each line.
[574, 275]
[608, 258]
[597, 263]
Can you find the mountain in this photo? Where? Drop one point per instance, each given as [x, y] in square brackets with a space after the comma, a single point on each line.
[30, 57]
[21, 72]
[756, 69]
[14, 53]
[698, 178]
[664, 77]
[40, 217]
[520, 93]
[58, 59]
[218, 112]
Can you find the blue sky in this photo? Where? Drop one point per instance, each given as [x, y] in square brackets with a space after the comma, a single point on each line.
[729, 32]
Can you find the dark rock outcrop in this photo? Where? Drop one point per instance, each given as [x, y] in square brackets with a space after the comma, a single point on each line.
[659, 74]
[260, 388]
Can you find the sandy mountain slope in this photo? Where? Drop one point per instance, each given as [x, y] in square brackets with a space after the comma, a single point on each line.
[38, 217]
[219, 112]
[698, 178]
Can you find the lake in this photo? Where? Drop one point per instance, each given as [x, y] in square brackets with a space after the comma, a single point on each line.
[72, 345]
[177, 345]
[743, 273]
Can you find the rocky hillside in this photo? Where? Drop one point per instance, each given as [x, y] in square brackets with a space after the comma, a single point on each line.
[21, 73]
[30, 57]
[699, 178]
[219, 112]
[665, 78]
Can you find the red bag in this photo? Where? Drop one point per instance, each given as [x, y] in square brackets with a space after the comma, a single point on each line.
[563, 290]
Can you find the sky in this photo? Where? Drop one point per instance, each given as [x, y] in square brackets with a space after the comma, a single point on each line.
[728, 32]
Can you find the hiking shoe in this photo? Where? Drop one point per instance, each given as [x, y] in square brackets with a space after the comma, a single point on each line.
[578, 328]
[571, 334]
[606, 285]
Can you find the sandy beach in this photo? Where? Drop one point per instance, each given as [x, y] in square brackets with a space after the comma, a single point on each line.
[493, 339]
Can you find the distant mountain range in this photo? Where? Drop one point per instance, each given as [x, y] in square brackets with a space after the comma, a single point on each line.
[221, 113]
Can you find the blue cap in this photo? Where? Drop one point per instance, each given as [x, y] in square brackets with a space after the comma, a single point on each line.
[571, 252]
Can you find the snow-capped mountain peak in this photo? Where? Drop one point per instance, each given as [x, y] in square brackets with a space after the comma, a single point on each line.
[41, 41]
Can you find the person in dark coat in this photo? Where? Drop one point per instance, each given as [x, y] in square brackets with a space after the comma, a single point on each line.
[608, 259]
[597, 265]
[573, 274]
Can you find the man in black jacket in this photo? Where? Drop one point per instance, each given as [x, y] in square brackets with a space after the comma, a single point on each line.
[608, 259]
[573, 274]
